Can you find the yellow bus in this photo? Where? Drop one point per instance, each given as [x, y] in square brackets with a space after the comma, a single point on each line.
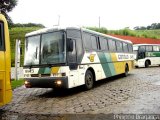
[5, 63]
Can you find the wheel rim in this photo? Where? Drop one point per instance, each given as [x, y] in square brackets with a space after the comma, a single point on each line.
[89, 80]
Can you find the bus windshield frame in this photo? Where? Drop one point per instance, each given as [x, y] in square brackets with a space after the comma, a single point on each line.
[45, 49]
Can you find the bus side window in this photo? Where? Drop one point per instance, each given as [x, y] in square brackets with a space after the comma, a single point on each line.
[148, 48]
[112, 45]
[125, 47]
[1, 36]
[103, 44]
[155, 48]
[119, 46]
[77, 36]
[130, 48]
[87, 41]
[94, 42]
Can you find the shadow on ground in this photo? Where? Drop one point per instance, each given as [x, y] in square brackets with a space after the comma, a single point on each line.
[77, 90]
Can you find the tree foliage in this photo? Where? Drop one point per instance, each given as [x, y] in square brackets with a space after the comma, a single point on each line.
[153, 26]
[27, 25]
[7, 6]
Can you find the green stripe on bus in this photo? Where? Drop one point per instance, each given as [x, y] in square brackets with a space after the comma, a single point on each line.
[153, 54]
[107, 65]
[44, 70]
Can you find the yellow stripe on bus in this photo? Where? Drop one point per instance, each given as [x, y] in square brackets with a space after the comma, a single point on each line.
[55, 69]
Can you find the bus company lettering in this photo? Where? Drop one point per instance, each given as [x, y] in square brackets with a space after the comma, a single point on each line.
[123, 57]
[29, 71]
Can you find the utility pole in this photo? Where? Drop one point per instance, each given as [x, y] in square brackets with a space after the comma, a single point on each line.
[58, 20]
[99, 22]
[17, 58]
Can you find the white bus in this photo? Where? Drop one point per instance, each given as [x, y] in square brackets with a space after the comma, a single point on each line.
[146, 54]
[70, 57]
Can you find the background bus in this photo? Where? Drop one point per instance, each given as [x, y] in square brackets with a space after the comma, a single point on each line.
[5, 63]
[70, 57]
[146, 54]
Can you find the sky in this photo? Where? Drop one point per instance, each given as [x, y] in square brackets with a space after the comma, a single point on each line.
[113, 14]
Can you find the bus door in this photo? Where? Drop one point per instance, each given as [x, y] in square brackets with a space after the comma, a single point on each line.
[2, 64]
[72, 62]
[141, 52]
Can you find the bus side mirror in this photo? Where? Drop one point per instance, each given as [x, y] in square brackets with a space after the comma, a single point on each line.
[70, 45]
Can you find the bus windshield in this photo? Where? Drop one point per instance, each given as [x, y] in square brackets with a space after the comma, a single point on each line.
[49, 50]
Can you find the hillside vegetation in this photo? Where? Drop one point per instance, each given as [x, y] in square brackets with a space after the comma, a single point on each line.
[19, 33]
[155, 34]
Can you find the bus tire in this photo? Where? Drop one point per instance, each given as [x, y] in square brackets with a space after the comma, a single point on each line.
[147, 64]
[89, 80]
[136, 67]
[126, 71]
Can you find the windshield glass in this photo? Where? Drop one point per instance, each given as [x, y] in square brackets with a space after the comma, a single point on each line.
[53, 48]
[135, 54]
[32, 50]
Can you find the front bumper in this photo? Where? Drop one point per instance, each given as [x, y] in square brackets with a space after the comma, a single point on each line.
[46, 82]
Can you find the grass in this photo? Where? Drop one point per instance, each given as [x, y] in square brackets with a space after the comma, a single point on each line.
[17, 83]
[155, 34]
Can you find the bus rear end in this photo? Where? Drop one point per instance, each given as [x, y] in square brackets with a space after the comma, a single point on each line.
[5, 63]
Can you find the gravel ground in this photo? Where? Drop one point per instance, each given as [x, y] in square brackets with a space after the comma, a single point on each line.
[112, 98]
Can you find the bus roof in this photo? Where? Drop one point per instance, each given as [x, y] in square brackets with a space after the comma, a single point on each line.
[56, 28]
[2, 17]
[145, 44]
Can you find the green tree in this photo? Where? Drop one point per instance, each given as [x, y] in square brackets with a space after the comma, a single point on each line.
[7, 6]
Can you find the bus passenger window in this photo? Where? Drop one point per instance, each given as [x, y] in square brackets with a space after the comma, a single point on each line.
[148, 48]
[130, 48]
[103, 43]
[125, 47]
[142, 49]
[112, 45]
[87, 41]
[155, 48]
[94, 42]
[1, 37]
[119, 46]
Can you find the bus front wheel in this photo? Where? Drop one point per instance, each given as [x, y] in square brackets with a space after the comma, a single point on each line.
[147, 64]
[89, 80]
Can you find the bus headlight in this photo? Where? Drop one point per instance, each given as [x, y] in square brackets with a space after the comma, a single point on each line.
[27, 84]
[59, 82]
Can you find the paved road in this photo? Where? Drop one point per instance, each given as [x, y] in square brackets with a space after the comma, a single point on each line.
[139, 93]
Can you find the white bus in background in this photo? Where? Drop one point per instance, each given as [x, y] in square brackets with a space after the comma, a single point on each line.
[146, 54]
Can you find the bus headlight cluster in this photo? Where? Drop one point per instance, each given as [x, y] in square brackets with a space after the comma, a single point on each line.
[58, 82]
[27, 84]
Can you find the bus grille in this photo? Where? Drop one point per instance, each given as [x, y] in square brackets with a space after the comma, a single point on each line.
[40, 75]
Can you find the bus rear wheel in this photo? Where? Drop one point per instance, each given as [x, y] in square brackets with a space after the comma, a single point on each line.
[126, 71]
[147, 64]
[89, 80]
